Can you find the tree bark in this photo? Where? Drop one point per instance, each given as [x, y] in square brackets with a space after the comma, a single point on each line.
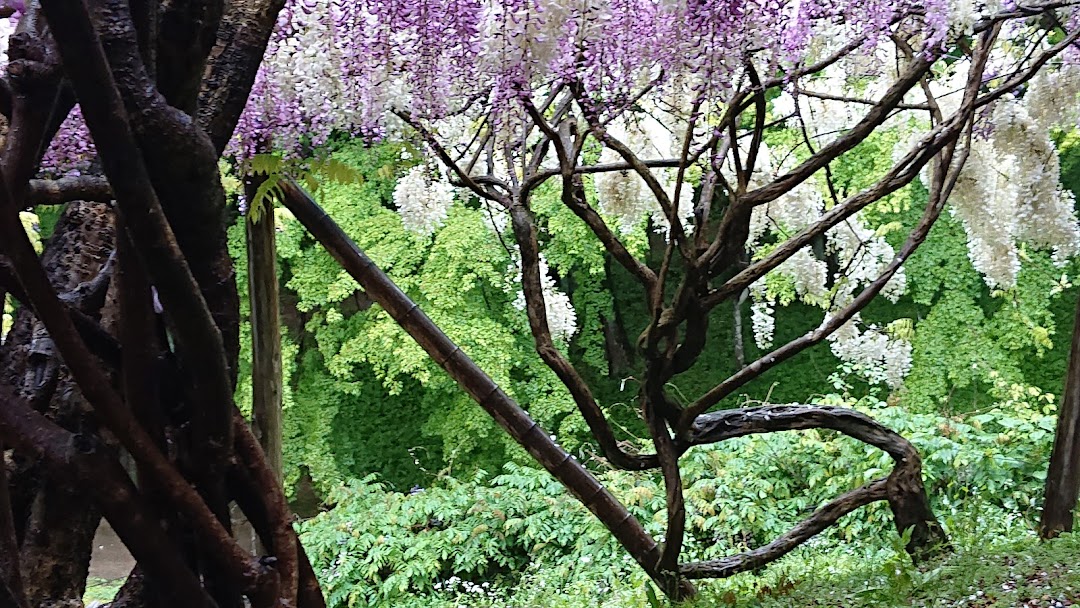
[1063, 475]
[56, 525]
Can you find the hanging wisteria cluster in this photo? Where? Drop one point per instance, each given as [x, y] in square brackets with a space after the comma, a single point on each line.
[1010, 191]
[423, 196]
[344, 65]
[561, 318]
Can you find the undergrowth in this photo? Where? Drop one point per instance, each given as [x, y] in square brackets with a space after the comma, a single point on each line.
[518, 539]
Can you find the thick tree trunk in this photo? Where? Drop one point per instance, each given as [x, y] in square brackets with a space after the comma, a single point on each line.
[171, 173]
[1063, 476]
[55, 523]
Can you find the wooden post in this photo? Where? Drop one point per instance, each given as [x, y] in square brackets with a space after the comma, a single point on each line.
[1063, 476]
[266, 381]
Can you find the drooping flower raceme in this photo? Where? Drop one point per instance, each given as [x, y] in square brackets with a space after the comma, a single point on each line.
[624, 195]
[423, 196]
[344, 65]
[1009, 193]
[561, 317]
[874, 354]
[72, 150]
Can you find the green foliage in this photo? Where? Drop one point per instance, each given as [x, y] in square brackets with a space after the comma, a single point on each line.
[310, 172]
[386, 548]
[47, 216]
[367, 399]
[963, 332]
[378, 546]
[100, 590]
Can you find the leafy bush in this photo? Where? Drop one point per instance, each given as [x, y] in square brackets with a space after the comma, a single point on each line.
[513, 530]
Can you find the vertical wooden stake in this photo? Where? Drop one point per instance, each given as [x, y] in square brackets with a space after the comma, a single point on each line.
[1063, 476]
[266, 381]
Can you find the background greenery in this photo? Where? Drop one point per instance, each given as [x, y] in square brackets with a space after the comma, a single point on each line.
[363, 399]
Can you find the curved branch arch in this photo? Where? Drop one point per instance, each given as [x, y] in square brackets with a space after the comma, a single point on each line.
[903, 488]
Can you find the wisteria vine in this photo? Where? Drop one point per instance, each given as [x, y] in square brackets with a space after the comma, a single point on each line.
[657, 74]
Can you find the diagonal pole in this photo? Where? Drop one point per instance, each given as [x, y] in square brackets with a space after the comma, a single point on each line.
[506, 412]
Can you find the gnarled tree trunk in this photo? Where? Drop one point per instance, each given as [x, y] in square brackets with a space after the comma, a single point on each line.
[54, 524]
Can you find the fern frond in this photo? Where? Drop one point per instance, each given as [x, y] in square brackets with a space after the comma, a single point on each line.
[337, 171]
[266, 164]
[271, 186]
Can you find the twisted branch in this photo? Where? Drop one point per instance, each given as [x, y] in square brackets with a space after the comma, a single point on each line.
[903, 488]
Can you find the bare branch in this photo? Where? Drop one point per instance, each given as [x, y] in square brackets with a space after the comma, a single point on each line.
[1019, 77]
[858, 100]
[903, 488]
[944, 179]
[759, 118]
[728, 424]
[270, 516]
[282, 536]
[466, 180]
[601, 134]
[871, 121]
[833, 323]
[900, 175]
[187, 32]
[69, 189]
[541, 176]
[668, 455]
[573, 196]
[531, 286]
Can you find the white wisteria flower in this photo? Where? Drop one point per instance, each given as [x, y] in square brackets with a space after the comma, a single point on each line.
[764, 323]
[874, 354]
[624, 195]
[561, 317]
[1009, 192]
[423, 197]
